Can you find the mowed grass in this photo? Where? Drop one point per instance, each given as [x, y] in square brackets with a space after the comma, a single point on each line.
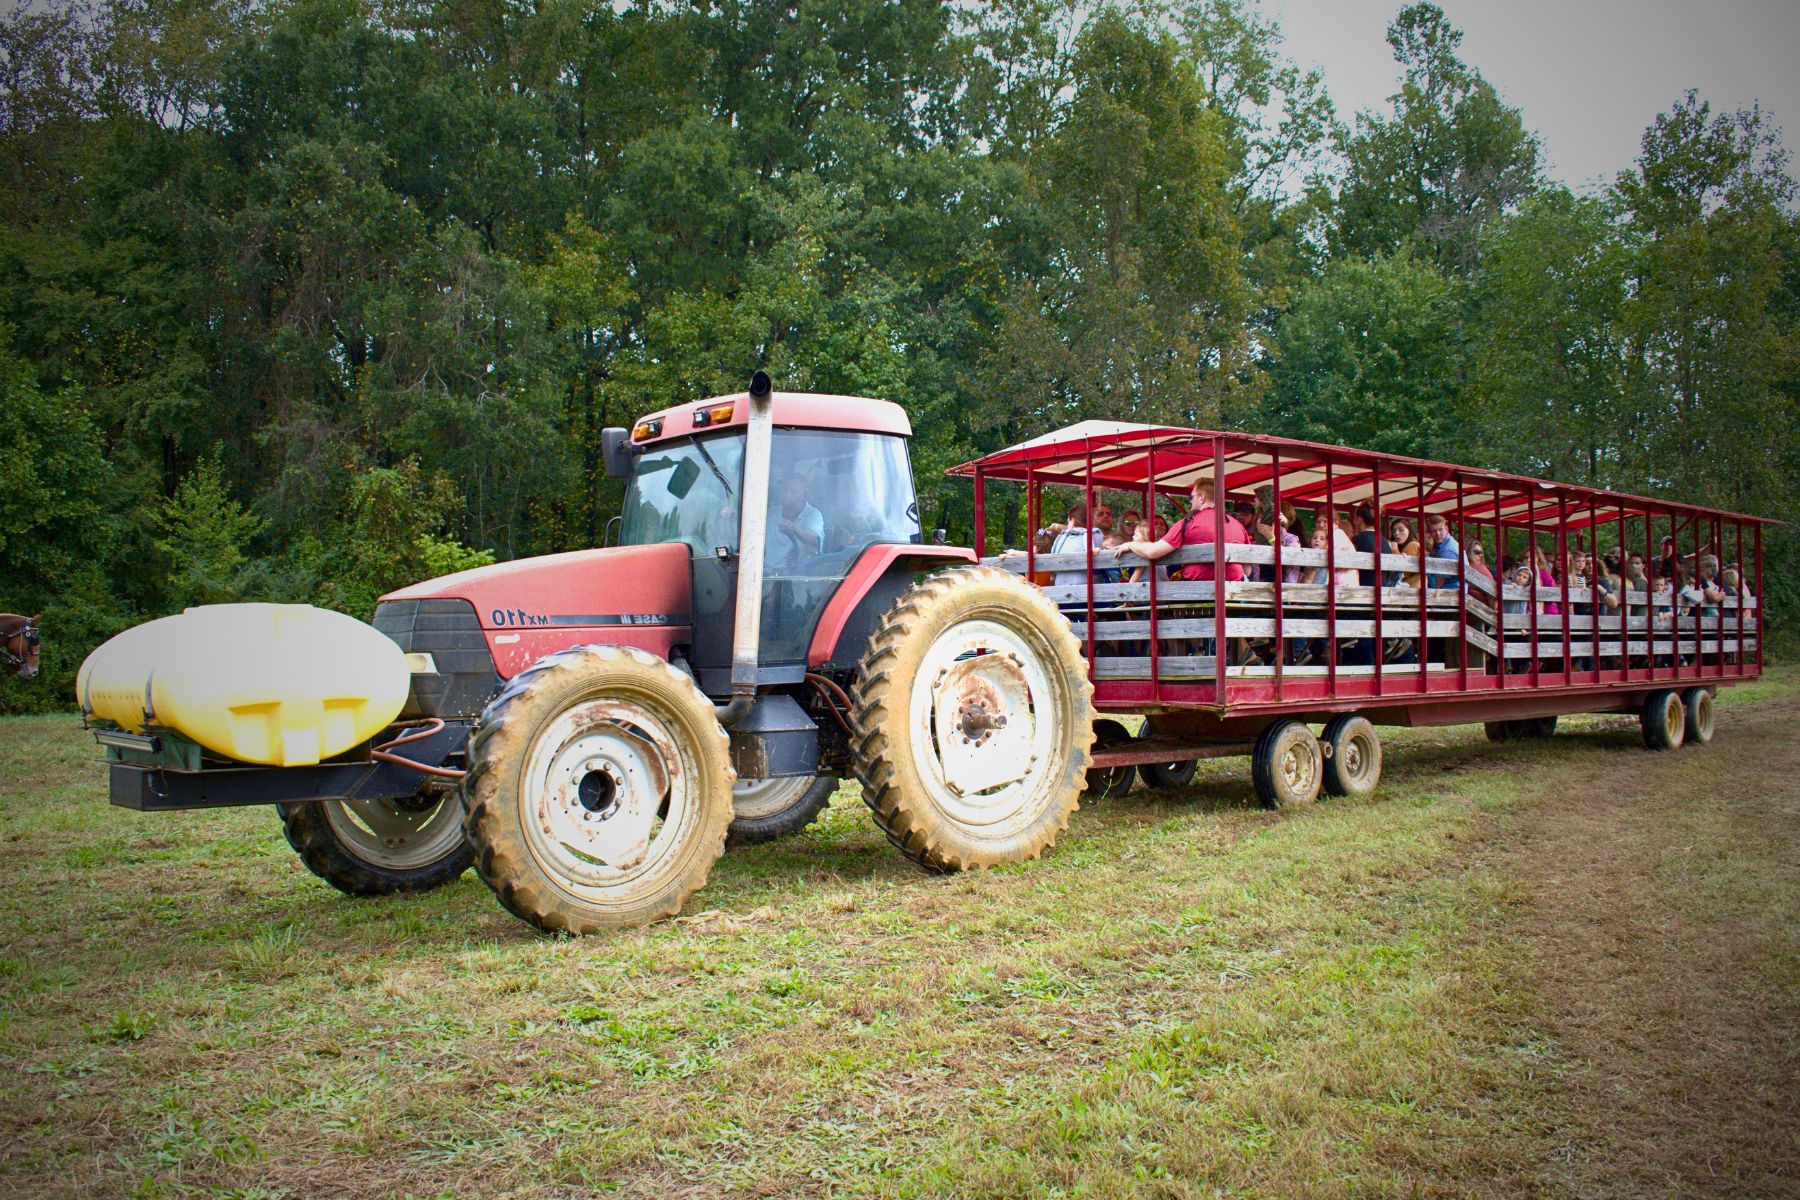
[1189, 997]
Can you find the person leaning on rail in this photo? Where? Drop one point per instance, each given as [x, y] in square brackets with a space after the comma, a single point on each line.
[1196, 529]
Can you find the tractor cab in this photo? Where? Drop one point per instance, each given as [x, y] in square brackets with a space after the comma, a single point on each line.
[839, 481]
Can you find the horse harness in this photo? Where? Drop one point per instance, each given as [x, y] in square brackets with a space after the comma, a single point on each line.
[26, 635]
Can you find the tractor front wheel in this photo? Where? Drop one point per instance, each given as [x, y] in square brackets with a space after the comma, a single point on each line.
[976, 719]
[380, 847]
[599, 790]
[766, 809]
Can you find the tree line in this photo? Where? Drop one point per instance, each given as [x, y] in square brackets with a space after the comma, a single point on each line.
[309, 299]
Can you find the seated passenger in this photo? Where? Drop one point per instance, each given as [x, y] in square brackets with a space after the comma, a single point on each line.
[1439, 544]
[1196, 529]
[1712, 590]
[1400, 533]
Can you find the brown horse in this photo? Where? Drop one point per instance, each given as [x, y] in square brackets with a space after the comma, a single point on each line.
[19, 644]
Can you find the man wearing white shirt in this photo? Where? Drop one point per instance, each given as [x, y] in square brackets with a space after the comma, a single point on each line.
[798, 529]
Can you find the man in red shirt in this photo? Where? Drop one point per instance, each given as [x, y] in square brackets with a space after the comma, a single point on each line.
[1196, 530]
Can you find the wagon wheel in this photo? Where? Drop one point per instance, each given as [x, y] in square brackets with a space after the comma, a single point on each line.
[1698, 702]
[1111, 781]
[1288, 766]
[1353, 756]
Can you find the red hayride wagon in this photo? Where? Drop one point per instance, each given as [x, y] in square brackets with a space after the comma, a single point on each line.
[1244, 663]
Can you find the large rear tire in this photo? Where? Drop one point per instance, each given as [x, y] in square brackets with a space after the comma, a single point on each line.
[976, 719]
[599, 790]
[381, 847]
[765, 809]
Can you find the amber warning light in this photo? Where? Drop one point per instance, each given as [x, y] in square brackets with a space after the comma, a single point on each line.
[718, 414]
[645, 429]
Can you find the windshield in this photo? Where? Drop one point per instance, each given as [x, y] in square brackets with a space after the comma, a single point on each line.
[832, 494]
[687, 492]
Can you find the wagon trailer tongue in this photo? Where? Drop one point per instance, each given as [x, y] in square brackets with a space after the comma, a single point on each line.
[589, 730]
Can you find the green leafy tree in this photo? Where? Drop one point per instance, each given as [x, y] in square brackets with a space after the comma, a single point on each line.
[1552, 391]
[1369, 356]
[1451, 159]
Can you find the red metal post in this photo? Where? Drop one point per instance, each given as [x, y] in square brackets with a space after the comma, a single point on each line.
[1562, 562]
[1087, 538]
[1326, 514]
[1150, 577]
[1424, 644]
[1221, 651]
[1280, 535]
[1762, 616]
[1500, 583]
[1034, 520]
[1531, 552]
[1624, 595]
[1462, 588]
[1743, 570]
[1375, 506]
[980, 516]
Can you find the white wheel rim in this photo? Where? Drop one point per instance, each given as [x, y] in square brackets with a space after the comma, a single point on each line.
[980, 737]
[608, 798]
[1299, 767]
[756, 799]
[396, 836]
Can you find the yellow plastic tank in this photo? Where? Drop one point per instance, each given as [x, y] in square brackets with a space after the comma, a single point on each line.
[275, 684]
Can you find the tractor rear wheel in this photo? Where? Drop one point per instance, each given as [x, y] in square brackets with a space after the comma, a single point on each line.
[765, 809]
[380, 847]
[976, 718]
[599, 790]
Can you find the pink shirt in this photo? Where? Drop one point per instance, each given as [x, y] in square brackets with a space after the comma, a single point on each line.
[1197, 530]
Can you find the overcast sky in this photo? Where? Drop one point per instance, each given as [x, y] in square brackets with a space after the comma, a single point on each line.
[1588, 75]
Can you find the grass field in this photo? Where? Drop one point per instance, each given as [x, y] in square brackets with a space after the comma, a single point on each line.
[1562, 969]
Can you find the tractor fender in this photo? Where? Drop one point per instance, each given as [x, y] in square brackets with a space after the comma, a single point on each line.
[880, 573]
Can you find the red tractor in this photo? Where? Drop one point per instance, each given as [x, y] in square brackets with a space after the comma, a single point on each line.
[771, 622]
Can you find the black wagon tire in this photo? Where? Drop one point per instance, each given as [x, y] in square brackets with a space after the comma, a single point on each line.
[976, 719]
[1110, 782]
[1664, 721]
[766, 809]
[1698, 725]
[381, 847]
[1352, 756]
[1168, 775]
[599, 790]
[1540, 727]
[1287, 768]
[1501, 731]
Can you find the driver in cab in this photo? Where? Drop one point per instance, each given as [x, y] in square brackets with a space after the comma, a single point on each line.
[797, 528]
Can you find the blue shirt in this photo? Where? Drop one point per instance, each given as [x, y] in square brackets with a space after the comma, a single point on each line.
[1444, 549]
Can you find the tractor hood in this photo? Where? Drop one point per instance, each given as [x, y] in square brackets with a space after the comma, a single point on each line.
[625, 595]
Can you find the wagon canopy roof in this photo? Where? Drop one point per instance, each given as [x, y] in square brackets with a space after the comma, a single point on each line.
[1122, 454]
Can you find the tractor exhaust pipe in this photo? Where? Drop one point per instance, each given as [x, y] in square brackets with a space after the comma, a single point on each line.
[746, 633]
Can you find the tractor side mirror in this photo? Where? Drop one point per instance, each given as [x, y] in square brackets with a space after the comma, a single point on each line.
[681, 479]
[615, 452]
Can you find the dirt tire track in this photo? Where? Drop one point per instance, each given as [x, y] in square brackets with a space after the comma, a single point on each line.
[1674, 995]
